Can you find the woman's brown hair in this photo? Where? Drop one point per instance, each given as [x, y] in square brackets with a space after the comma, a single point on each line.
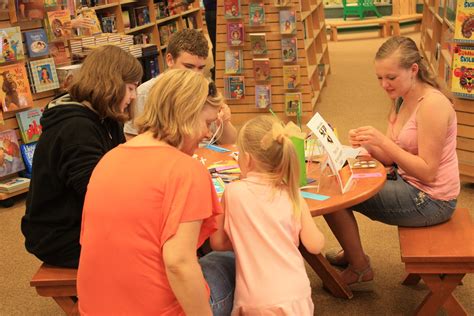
[102, 78]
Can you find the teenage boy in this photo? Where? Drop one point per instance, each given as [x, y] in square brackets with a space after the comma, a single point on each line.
[189, 49]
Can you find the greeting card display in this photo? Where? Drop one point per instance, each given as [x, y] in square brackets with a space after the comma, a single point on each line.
[233, 62]
[256, 14]
[263, 96]
[235, 34]
[44, 75]
[288, 22]
[289, 50]
[258, 43]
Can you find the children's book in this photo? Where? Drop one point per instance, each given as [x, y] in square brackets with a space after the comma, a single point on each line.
[464, 23]
[293, 103]
[463, 71]
[37, 43]
[142, 15]
[263, 96]
[258, 43]
[29, 124]
[281, 3]
[232, 9]
[28, 10]
[57, 50]
[235, 34]
[59, 25]
[256, 14]
[90, 14]
[44, 74]
[288, 22]
[261, 69]
[233, 62]
[12, 46]
[291, 76]
[14, 184]
[27, 152]
[15, 93]
[289, 50]
[234, 87]
[11, 161]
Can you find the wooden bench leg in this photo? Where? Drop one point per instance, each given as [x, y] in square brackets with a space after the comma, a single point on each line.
[334, 33]
[396, 29]
[441, 289]
[67, 304]
[411, 279]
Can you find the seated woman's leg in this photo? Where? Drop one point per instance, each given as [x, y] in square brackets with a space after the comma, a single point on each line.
[219, 271]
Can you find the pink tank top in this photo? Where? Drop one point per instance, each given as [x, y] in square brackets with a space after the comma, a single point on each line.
[446, 185]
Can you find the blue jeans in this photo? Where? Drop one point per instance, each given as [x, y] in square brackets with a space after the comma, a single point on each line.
[219, 271]
[401, 204]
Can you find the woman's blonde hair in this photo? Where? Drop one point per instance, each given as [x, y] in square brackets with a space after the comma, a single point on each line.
[102, 78]
[278, 159]
[174, 103]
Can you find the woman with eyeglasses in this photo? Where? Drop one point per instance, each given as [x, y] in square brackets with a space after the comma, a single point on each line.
[144, 221]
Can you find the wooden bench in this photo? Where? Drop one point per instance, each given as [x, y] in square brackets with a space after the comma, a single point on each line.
[440, 255]
[394, 22]
[334, 25]
[58, 283]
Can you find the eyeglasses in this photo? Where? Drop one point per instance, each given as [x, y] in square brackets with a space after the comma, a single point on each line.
[212, 89]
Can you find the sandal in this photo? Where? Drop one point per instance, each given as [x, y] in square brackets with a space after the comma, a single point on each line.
[360, 285]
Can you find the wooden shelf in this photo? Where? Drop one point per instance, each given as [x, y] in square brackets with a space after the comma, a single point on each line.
[139, 28]
[167, 19]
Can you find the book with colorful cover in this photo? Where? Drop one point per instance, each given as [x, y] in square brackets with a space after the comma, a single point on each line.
[256, 14]
[233, 62]
[27, 152]
[234, 87]
[37, 43]
[44, 75]
[261, 69]
[293, 103]
[291, 76]
[126, 19]
[28, 10]
[11, 161]
[164, 32]
[258, 43]
[142, 15]
[15, 93]
[287, 22]
[464, 23]
[90, 14]
[59, 25]
[462, 84]
[232, 9]
[289, 49]
[29, 124]
[12, 46]
[263, 96]
[14, 184]
[52, 3]
[235, 34]
[57, 50]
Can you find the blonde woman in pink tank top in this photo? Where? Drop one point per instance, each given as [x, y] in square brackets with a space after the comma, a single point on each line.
[420, 142]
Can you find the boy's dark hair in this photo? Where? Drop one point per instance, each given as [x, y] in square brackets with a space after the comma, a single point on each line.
[190, 41]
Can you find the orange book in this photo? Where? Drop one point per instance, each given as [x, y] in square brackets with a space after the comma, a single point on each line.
[15, 93]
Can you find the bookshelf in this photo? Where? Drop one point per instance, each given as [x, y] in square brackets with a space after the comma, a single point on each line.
[437, 29]
[312, 51]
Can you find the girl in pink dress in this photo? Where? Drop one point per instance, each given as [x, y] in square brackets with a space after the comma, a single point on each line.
[264, 220]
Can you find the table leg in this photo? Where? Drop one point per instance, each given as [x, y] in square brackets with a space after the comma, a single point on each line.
[331, 279]
[411, 279]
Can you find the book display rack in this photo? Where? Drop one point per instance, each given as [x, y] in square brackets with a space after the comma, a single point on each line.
[271, 54]
[446, 32]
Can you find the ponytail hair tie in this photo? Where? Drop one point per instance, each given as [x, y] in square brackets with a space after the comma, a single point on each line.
[279, 133]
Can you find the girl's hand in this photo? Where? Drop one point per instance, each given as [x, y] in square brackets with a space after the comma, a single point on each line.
[224, 113]
[367, 135]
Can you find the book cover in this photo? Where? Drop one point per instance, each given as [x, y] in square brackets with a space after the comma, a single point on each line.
[291, 76]
[263, 96]
[15, 93]
[288, 22]
[37, 43]
[258, 43]
[235, 34]
[29, 124]
[232, 9]
[164, 32]
[142, 15]
[234, 87]
[12, 46]
[57, 50]
[90, 14]
[59, 25]
[289, 50]
[233, 62]
[44, 74]
[261, 69]
[10, 157]
[293, 103]
[27, 152]
[126, 19]
[281, 3]
[14, 184]
[462, 84]
[256, 14]
[464, 23]
[52, 3]
[28, 10]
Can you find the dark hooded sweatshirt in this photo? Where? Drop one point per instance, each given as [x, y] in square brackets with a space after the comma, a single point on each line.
[73, 141]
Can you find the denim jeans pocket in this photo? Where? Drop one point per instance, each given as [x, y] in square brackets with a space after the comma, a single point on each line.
[434, 211]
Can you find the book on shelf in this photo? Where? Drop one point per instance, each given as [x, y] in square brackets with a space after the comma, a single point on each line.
[164, 32]
[291, 76]
[57, 50]
[281, 3]
[258, 43]
[462, 72]
[108, 23]
[263, 96]
[58, 25]
[232, 9]
[191, 22]
[48, 4]
[142, 15]
[15, 93]
[256, 14]
[126, 20]
[293, 103]
[142, 38]
[289, 49]
[287, 22]
[27, 152]
[12, 46]
[66, 75]
[11, 161]
[37, 43]
[90, 14]
[235, 34]
[43, 73]
[261, 69]
[464, 23]
[14, 184]
[233, 62]
[161, 9]
[29, 124]
[28, 10]
[234, 87]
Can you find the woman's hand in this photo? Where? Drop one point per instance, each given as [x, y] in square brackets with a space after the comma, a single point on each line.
[81, 22]
[366, 135]
[224, 113]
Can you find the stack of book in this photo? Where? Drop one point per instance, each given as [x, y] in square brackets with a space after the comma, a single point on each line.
[14, 184]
